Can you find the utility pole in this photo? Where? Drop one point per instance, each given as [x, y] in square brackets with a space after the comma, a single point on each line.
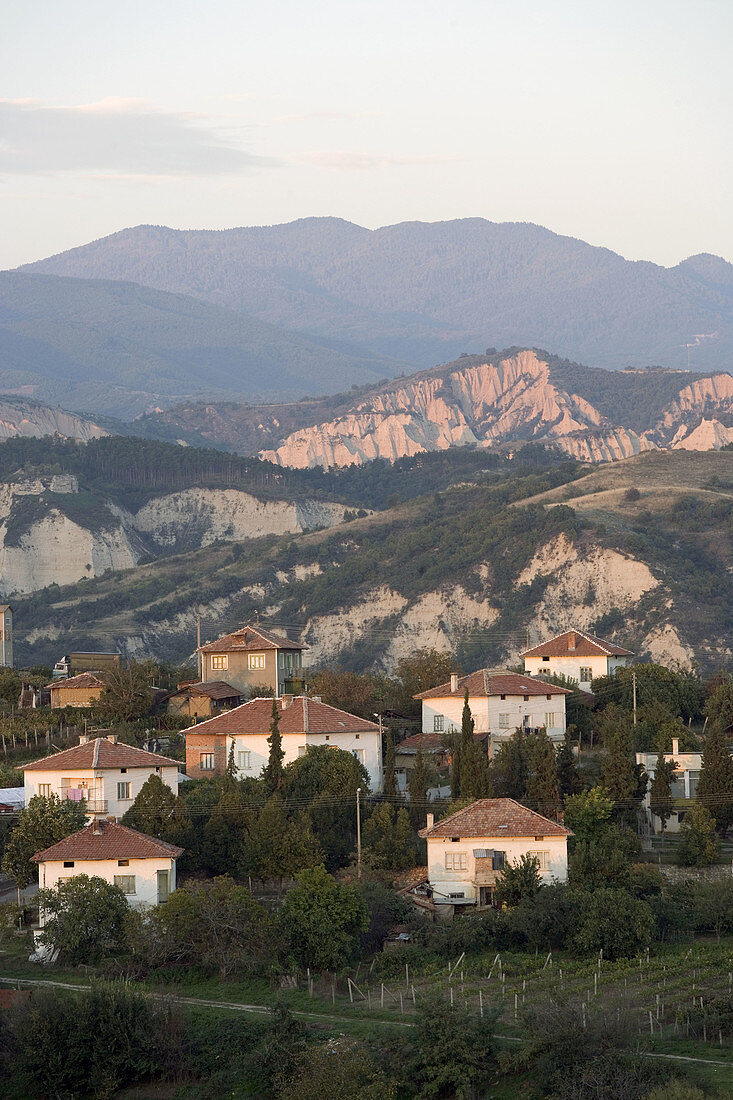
[633, 681]
[358, 833]
[199, 655]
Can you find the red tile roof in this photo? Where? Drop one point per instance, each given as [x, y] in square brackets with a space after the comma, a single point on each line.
[493, 681]
[585, 646]
[303, 715]
[496, 817]
[214, 689]
[111, 841]
[250, 639]
[429, 742]
[100, 753]
[83, 680]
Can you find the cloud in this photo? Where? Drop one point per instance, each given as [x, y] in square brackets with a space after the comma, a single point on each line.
[347, 161]
[114, 136]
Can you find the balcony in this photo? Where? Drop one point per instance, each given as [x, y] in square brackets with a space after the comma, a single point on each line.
[292, 686]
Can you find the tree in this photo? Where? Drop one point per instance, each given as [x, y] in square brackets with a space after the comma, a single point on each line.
[470, 760]
[388, 838]
[152, 811]
[619, 776]
[277, 847]
[421, 671]
[362, 694]
[390, 781]
[455, 1052]
[719, 707]
[518, 880]
[542, 787]
[231, 770]
[568, 778]
[660, 795]
[715, 788]
[43, 822]
[613, 922]
[418, 786]
[215, 924]
[84, 918]
[326, 781]
[588, 814]
[509, 768]
[127, 693]
[698, 844]
[322, 1075]
[320, 922]
[273, 771]
[713, 902]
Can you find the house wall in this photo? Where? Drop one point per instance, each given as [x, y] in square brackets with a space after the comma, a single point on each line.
[684, 784]
[239, 674]
[445, 881]
[101, 784]
[486, 713]
[74, 697]
[294, 745]
[191, 706]
[571, 665]
[144, 870]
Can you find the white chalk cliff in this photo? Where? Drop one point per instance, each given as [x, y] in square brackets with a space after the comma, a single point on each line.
[497, 402]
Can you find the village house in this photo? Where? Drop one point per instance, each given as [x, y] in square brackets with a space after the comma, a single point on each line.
[468, 850]
[203, 700]
[576, 656]
[143, 867]
[105, 773]
[435, 751]
[500, 703]
[254, 658]
[303, 722]
[76, 691]
[683, 785]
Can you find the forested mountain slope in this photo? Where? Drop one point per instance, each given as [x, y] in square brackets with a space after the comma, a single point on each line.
[122, 349]
[470, 568]
[424, 292]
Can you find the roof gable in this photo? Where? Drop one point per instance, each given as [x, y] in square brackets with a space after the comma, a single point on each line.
[495, 817]
[100, 753]
[586, 645]
[82, 680]
[250, 639]
[108, 840]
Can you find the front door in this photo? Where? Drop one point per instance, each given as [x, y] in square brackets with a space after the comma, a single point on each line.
[163, 886]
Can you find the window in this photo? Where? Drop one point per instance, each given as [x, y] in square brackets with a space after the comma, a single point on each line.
[545, 658]
[526, 698]
[123, 771]
[244, 760]
[550, 719]
[360, 755]
[126, 883]
[357, 736]
[219, 661]
[207, 761]
[503, 721]
[586, 674]
[44, 790]
[123, 863]
[456, 861]
[498, 861]
[124, 792]
[68, 863]
[543, 858]
[438, 723]
[256, 661]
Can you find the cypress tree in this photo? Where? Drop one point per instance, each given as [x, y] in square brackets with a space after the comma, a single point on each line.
[390, 781]
[466, 761]
[660, 795]
[231, 772]
[568, 779]
[619, 774]
[273, 770]
[418, 790]
[542, 788]
[715, 789]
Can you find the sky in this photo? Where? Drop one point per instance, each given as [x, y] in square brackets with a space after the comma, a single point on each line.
[607, 121]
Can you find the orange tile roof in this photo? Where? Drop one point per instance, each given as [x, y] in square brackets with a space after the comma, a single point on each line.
[585, 646]
[496, 817]
[111, 841]
[250, 639]
[99, 753]
[83, 680]
[492, 681]
[429, 742]
[214, 689]
[303, 715]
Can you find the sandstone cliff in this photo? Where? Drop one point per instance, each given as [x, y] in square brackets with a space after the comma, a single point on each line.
[487, 403]
[30, 418]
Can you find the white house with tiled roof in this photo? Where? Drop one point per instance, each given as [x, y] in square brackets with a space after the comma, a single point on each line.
[143, 867]
[500, 703]
[468, 850]
[303, 722]
[253, 657]
[577, 656]
[104, 772]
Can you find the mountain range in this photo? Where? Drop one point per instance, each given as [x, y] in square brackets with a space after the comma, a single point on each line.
[420, 293]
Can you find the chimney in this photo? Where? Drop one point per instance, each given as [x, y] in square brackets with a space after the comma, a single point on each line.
[675, 746]
[316, 699]
[112, 737]
[571, 642]
[96, 826]
[430, 821]
[453, 683]
[83, 739]
[286, 700]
